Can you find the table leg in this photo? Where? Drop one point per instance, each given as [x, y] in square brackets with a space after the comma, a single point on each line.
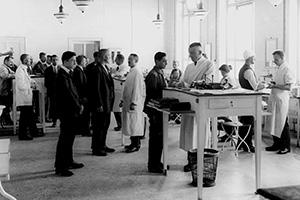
[201, 134]
[165, 141]
[298, 122]
[257, 125]
[214, 133]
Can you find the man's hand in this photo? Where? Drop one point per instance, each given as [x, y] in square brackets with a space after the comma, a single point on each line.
[260, 86]
[132, 106]
[121, 104]
[81, 109]
[100, 109]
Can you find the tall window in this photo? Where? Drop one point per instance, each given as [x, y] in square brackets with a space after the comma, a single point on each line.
[240, 31]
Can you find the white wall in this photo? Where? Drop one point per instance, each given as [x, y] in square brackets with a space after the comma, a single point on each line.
[111, 20]
[269, 22]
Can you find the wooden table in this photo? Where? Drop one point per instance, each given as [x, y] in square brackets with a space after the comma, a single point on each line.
[211, 104]
[41, 88]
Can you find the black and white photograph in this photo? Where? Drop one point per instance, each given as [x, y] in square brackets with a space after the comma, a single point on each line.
[150, 99]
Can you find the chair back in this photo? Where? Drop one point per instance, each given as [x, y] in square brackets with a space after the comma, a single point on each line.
[4, 159]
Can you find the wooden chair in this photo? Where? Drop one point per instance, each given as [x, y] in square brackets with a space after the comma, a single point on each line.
[4, 166]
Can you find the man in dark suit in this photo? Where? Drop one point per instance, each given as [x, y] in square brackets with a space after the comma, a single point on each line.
[101, 99]
[50, 84]
[155, 83]
[69, 108]
[40, 67]
[80, 82]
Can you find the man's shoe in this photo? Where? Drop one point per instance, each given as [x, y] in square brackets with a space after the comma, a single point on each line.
[109, 150]
[76, 165]
[284, 151]
[272, 148]
[64, 173]
[132, 149]
[26, 137]
[118, 128]
[100, 153]
[187, 168]
[155, 169]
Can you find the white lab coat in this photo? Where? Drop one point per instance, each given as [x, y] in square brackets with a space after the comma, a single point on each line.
[118, 73]
[134, 92]
[279, 100]
[188, 130]
[23, 87]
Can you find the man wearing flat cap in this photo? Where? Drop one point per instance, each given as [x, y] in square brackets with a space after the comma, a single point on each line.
[248, 80]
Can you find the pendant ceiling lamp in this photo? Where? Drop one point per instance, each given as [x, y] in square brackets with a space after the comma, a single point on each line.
[199, 12]
[82, 5]
[275, 3]
[158, 21]
[61, 15]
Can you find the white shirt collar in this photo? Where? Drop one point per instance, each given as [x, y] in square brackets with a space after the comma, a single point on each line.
[66, 69]
[80, 67]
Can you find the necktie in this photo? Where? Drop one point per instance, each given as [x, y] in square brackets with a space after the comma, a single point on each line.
[71, 73]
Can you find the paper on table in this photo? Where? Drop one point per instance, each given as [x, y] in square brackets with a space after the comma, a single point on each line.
[220, 92]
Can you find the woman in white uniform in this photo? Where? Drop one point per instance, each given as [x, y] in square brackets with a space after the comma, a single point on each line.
[279, 104]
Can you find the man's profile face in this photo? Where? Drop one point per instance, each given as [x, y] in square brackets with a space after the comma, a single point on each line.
[162, 63]
[195, 53]
[106, 57]
[55, 60]
[131, 61]
[43, 58]
[71, 63]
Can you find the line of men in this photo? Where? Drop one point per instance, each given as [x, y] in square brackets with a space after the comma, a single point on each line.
[98, 97]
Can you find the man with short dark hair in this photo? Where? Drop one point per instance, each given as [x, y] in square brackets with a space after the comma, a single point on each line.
[80, 82]
[40, 67]
[100, 98]
[280, 94]
[24, 87]
[68, 109]
[50, 84]
[6, 92]
[155, 83]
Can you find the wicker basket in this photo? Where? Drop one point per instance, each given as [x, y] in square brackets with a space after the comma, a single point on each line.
[210, 166]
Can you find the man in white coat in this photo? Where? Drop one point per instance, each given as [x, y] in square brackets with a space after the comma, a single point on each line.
[133, 103]
[24, 86]
[119, 73]
[279, 99]
[200, 69]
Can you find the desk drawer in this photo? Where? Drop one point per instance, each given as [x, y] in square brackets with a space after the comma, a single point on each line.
[230, 103]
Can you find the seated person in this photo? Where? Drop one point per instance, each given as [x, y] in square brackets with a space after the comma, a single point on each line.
[175, 75]
[228, 80]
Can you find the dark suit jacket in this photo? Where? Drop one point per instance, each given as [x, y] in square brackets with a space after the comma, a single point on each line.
[39, 68]
[80, 82]
[50, 80]
[68, 103]
[100, 88]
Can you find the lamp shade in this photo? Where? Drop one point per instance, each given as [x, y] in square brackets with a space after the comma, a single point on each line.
[61, 16]
[82, 5]
[275, 3]
[158, 21]
[199, 12]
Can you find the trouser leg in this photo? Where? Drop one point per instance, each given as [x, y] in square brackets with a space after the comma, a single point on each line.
[64, 151]
[285, 139]
[155, 139]
[118, 118]
[100, 124]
